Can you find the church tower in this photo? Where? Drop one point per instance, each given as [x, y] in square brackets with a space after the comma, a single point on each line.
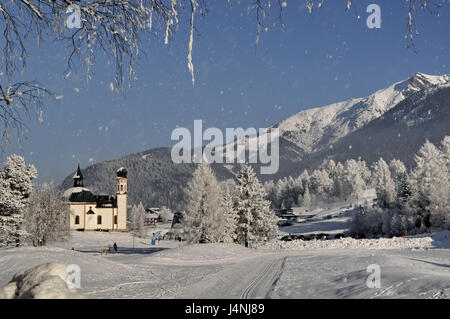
[78, 178]
[122, 200]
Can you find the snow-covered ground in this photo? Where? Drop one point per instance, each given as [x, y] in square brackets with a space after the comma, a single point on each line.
[411, 267]
[330, 218]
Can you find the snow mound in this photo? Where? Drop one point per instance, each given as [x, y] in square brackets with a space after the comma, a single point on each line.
[46, 281]
[426, 241]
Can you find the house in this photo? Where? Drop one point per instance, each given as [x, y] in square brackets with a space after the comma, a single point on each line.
[294, 214]
[151, 216]
[88, 212]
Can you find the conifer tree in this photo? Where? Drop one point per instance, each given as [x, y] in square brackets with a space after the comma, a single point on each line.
[256, 221]
[230, 219]
[383, 183]
[204, 219]
[15, 190]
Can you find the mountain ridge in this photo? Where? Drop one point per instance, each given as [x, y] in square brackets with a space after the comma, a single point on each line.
[316, 128]
[391, 122]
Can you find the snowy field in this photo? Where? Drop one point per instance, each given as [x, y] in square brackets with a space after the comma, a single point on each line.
[411, 267]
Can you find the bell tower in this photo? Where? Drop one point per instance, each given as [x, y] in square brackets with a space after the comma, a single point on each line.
[122, 200]
[78, 178]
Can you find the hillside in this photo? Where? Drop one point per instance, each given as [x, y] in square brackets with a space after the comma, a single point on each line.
[390, 123]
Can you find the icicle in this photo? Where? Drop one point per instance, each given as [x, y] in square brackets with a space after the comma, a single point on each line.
[150, 20]
[194, 5]
[170, 22]
[258, 32]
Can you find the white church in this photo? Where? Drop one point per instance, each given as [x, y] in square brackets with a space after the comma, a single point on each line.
[87, 212]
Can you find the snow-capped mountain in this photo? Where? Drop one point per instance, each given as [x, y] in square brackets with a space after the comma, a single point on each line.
[390, 123]
[315, 129]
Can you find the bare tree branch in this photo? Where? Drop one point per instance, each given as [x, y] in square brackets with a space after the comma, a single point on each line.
[16, 101]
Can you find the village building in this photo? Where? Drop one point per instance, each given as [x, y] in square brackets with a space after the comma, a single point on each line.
[87, 212]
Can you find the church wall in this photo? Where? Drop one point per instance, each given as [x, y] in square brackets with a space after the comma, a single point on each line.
[107, 218]
[79, 210]
[91, 221]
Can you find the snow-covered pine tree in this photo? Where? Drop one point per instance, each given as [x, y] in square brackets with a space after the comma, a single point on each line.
[271, 190]
[399, 175]
[15, 189]
[431, 180]
[306, 199]
[337, 175]
[17, 186]
[353, 179]
[203, 219]
[305, 179]
[321, 184]
[165, 214]
[256, 221]
[230, 218]
[383, 183]
[365, 172]
[280, 192]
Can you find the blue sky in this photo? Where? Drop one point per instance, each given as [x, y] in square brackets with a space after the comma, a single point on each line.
[317, 59]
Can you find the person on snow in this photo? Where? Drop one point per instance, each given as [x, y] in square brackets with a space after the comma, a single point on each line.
[115, 246]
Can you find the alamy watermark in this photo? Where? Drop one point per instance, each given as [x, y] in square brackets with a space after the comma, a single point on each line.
[374, 279]
[243, 146]
[374, 19]
[73, 276]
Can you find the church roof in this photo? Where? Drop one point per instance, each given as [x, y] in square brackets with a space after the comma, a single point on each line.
[79, 194]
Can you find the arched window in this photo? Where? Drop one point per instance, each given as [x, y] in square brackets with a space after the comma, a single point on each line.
[99, 219]
[115, 220]
[77, 220]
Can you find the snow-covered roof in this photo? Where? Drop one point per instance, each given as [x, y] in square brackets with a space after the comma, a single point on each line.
[152, 215]
[73, 190]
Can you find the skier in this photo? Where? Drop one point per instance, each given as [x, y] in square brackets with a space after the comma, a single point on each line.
[115, 246]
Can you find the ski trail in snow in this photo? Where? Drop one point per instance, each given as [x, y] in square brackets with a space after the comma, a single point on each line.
[263, 285]
[258, 278]
[277, 278]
